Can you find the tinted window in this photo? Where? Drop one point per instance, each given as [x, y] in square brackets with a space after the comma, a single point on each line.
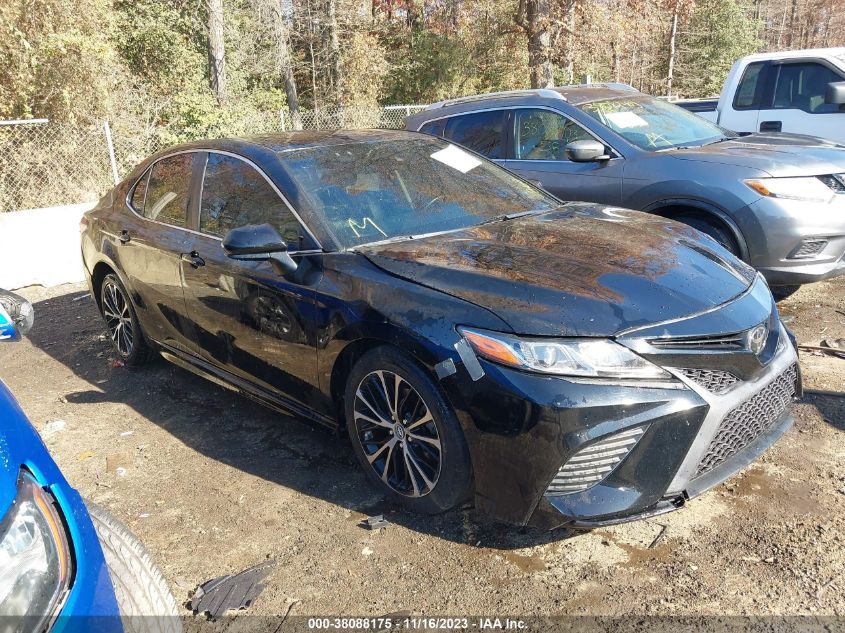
[368, 191]
[749, 92]
[481, 132]
[234, 194]
[803, 87]
[169, 189]
[432, 127]
[139, 192]
[543, 135]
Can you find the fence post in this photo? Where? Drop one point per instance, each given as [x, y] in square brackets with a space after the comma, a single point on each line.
[113, 160]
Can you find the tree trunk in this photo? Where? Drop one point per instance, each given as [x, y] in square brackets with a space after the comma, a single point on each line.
[673, 33]
[792, 15]
[534, 17]
[334, 51]
[570, 41]
[216, 51]
[285, 63]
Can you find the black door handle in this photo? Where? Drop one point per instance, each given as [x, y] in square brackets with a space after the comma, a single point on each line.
[124, 237]
[771, 126]
[193, 258]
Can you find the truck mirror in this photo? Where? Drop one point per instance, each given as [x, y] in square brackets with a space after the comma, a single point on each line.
[835, 93]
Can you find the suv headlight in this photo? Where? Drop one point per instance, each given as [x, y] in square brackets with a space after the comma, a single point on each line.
[585, 357]
[35, 562]
[809, 189]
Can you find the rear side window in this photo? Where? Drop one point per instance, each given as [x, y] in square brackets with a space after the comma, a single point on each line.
[169, 189]
[749, 94]
[803, 87]
[234, 194]
[481, 132]
[435, 128]
[139, 192]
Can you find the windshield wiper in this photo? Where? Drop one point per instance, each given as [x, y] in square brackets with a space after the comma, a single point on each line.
[510, 216]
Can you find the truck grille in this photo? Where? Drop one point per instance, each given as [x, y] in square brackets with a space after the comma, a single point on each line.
[713, 380]
[593, 463]
[714, 342]
[749, 420]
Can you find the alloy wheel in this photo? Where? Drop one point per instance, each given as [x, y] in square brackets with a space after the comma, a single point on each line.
[118, 318]
[398, 433]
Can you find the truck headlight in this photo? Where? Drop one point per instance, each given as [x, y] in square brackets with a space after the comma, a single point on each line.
[35, 561]
[584, 357]
[808, 189]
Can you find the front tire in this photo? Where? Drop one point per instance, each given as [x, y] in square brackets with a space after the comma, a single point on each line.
[405, 434]
[144, 599]
[719, 233]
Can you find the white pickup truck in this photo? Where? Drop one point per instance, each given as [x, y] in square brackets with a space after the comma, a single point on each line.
[802, 92]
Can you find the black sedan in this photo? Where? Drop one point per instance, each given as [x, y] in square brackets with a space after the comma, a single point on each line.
[559, 363]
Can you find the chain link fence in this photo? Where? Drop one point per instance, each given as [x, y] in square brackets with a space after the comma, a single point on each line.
[49, 164]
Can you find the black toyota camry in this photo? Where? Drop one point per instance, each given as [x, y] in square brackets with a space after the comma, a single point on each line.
[562, 364]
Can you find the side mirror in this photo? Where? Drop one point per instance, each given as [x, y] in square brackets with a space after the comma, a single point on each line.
[585, 152]
[16, 316]
[259, 242]
[835, 93]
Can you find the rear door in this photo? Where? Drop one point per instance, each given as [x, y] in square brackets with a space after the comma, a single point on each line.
[248, 319]
[537, 152]
[797, 103]
[151, 239]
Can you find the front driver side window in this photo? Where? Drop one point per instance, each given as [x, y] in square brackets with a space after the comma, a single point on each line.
[803, 87]
[234, 194]
[544, 135]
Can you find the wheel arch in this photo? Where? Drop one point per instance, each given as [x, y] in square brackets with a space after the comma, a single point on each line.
[675, 207]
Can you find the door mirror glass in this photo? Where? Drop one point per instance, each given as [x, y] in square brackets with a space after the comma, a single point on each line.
[16, 316]
[258, 242]
[585, 151]
[835, 93]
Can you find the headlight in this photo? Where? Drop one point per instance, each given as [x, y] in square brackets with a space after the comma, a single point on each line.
[809, 189]
[597, 358]
[35, 563]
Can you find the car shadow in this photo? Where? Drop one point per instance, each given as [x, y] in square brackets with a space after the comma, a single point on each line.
[240, 433]
[830, 404]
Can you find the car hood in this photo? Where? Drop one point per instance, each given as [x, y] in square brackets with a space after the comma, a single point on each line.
[584, 270]
[774, 154]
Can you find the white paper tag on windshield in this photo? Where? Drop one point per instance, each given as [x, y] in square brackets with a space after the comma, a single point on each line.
[624, 120]
[456, 158]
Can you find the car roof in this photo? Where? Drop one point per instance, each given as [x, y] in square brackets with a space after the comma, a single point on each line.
[810, 52]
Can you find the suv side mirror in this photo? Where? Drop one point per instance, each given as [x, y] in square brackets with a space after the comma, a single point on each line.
[16, 316]
[835, 93]
[585, 151]
[259, 242]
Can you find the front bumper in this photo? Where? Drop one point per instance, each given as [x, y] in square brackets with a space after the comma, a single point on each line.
[524, 429]
[784, 227]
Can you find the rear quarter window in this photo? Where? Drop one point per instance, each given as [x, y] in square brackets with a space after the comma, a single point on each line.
[482, 132]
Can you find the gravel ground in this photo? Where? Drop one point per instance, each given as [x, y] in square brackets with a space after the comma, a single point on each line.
[213, 483]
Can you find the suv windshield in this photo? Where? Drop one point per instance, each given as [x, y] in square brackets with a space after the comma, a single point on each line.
[369, 191]
[653, 124]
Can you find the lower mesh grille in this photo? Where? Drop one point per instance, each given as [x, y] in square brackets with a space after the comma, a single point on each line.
[750, 420]
[835, 182]
[809, 248]
[713, 380]
[593, 463]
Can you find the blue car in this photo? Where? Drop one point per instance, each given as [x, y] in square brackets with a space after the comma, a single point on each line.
[64, 566]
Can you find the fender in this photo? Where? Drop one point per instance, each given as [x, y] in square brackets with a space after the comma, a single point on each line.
[706, 208]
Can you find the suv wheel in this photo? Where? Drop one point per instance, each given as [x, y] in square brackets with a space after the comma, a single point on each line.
[714, 230]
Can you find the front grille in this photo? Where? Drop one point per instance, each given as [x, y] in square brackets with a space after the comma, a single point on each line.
[715, 381]
[749, 420]
[716, 342]
[593, 463]
[835, 182]
[809, 248]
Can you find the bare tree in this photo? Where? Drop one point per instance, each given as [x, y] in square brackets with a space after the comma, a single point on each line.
[334, 50]
[272, 15]
[673, 34]
[534, 17]
[216, 51]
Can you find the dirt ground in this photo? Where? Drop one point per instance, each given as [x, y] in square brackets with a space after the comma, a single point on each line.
[214, 483]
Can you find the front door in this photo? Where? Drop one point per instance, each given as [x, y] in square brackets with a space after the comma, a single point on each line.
[538, 153]
[248, 319]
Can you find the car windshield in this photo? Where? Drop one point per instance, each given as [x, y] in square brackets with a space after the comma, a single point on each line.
[375, 190]
[653, 124]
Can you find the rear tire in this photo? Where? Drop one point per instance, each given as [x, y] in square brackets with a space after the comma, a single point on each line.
[144, 599]
[414, 452]
[125, 331]
[718, 232]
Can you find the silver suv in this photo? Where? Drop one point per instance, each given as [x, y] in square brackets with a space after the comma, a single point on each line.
[775, 200]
